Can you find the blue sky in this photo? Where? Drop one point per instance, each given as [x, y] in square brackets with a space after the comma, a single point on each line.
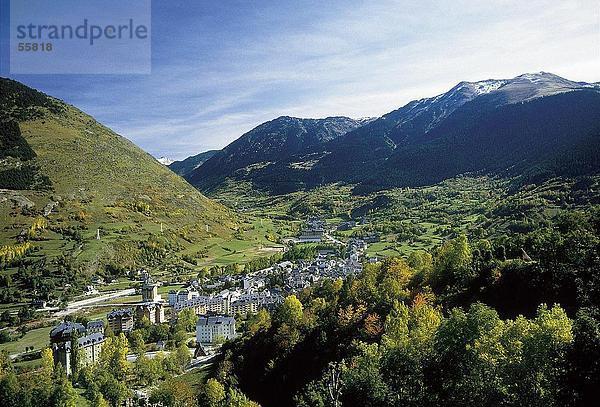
[219, 68]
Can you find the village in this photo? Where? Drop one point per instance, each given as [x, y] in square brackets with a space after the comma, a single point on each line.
[219, 310]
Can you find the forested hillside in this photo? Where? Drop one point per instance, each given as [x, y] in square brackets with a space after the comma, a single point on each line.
[510, 322]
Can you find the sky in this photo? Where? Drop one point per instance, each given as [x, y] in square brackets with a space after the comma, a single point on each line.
[220, 68]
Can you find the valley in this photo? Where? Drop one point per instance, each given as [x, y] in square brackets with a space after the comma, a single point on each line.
[447, 250]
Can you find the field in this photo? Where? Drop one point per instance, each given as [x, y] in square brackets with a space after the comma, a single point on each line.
[408, 219]
[38, 338]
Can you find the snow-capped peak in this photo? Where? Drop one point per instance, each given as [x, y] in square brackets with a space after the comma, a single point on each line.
[488, 86]
[165, 161]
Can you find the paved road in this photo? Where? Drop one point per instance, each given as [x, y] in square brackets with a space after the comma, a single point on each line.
[77, 305]
[333, 239]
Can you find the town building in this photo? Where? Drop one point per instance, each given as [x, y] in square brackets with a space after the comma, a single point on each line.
[39, 304]
[186, 294]
[249, 283]
[172, 297]
[203, 305]
[95, 327]
[313, 231]
[150, 292]
[244, 307]
[153, 311]
[348, 225]
[120, 320]
[210, 329]
[89, 341]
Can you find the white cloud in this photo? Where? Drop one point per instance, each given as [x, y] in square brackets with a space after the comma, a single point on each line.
[358, 60]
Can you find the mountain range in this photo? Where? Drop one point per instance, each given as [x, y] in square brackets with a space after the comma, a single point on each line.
[185, 167]
[534, 125]
[276, 141]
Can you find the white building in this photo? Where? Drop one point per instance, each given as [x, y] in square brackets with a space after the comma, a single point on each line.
[249, 283]
[177, 297]
[205, 304]
[209, 329]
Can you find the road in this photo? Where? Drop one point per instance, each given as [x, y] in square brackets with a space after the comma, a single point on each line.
[333, 239]
[202, 360]
[78, 305]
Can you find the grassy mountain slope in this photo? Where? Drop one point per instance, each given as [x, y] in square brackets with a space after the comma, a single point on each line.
[93, 179]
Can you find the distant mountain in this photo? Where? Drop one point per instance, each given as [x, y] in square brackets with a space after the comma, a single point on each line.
[184, 167]
[59, 164]
[165, 161]
[532, 125]
[278, 140]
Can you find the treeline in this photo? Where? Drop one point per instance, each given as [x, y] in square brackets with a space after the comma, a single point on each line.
[19, 102]
[509, 322]
[12, 143]
[23, 174]
[26, 177]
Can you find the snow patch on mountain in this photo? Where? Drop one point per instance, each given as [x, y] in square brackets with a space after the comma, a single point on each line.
[165, 161]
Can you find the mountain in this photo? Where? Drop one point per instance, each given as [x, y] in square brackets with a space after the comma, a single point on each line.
[165, 161]
[64, 176]
[184, 167]
[533, 125]
[412, 127]
[278, 140]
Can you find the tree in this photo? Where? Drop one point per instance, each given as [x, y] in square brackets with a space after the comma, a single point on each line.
[468, 347]
[5, 363]
[136, 339]
[261, 320]
[46, 372]
[334, 383]
[213, 394]
[363, 383]
[173, 393]
[396, 276]
[186, 320]
[47, 361]
[97, 400]
[452, 263]
[236, 398]
[147, 371]
[113, 356]
[64, 394]
[583, 374]
[544, 348]
[422, 263]
[396, 326]
[291, 311]
[114, 390]
[372, 325]
[76, 361]
[9, 390]
[158, 332]
[180, 358]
